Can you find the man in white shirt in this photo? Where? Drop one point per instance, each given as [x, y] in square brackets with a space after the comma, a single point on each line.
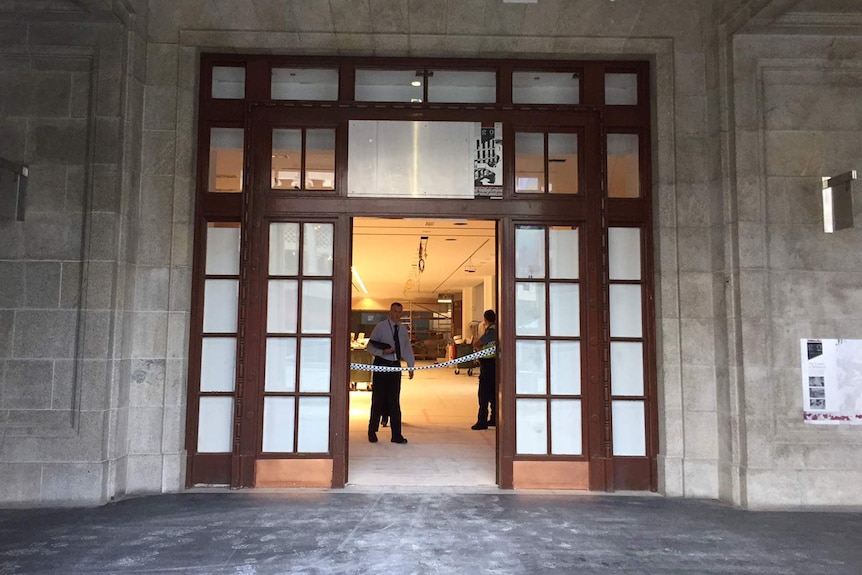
[389, 344]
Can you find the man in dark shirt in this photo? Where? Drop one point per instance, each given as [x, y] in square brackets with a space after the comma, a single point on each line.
[487, 374]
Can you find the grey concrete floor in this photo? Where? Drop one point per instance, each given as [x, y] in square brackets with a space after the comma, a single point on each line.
[423, 532]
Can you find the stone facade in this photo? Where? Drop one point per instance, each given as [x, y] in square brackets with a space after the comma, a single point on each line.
[753, 101]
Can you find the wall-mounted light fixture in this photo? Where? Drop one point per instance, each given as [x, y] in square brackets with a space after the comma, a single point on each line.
[445, 298]
[838, 202]
[13, 190]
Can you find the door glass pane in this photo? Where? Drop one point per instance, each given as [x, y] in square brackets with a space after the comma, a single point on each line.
[532, 427]
[529, 253]
[624, 253]
[623, 168]
[563, 163]
[222, 249]
[565, 367]
[281, 306]
[278, 421]
[286, 159]
[226, 160]
[545, 88]
[531, 373]
[283, 249]
[529, 308]
[565, 310]
[228, 82]
[215, 425]
[566, 427]
[389, 85]
[317, 249]
[529, 163]
[563, 253]
[625, 304]
[218, 364]
[320, 159]
[627, 370]
[621, 89]
[313, 436]
[316, 306]
[315, 360]
[220, 306]
[472, 86]
[628, 427]
[304, 84]
[280, 364]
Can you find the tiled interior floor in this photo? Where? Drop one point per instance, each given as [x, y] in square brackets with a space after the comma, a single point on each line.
[438, 408]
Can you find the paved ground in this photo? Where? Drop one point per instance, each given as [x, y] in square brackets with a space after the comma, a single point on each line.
[406, 533]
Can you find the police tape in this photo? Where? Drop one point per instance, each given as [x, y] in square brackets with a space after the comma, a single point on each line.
[458, 360]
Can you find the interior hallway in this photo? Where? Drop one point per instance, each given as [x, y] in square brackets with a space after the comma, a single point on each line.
[438, 408]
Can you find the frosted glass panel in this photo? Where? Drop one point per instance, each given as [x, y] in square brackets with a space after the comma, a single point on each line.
[563, 253]
[228, 82]
[226, 160]
[462, 86]
[316, 306]
[317, 249]
[565, 310]
[278, 421]
[222, 249]
[532, 426]
[625, 304]
[624, 246]
[286, 160]
[314, 363]
[566, 427]
[629, 430]
[220, 306]
[313, 436]
[280, 364]
[281, 306]
[621, 89]
[531, 367]
[565, 367]
[529, 163]
[623, 166]
[283, 249]
[389, 86]
[529, 308]
[411, 159]
[218, 364]
[215, 425]
[545, 88]
[529, 253]
[304, 84]
[627, 370]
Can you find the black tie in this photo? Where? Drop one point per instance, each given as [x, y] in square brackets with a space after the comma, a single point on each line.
[397, 342]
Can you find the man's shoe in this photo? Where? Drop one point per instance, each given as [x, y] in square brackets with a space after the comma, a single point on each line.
[372, 437]
[492, 423]
[401, 440]
[478, 426]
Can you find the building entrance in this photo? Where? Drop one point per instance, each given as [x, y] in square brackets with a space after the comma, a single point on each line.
[293, 152]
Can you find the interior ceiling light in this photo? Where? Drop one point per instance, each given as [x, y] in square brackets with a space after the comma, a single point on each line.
[416, 83]
[358, 280]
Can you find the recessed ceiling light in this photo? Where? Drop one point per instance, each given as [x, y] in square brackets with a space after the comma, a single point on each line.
[416, 83]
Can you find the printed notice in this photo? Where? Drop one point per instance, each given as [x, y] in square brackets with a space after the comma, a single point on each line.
[488, 161]
[832, 381]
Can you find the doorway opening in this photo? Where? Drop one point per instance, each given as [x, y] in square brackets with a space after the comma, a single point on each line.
[444, 273]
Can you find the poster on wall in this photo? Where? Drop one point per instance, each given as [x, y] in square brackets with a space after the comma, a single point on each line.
[488, 161]
[832, 381]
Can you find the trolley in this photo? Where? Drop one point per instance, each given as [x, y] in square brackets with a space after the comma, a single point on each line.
[461, 350]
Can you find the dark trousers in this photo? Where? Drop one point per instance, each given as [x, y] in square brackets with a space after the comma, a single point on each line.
[487, 391]
[386, 398]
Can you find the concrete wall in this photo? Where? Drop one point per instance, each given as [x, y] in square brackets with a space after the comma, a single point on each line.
[796, 116]
[741, 268]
